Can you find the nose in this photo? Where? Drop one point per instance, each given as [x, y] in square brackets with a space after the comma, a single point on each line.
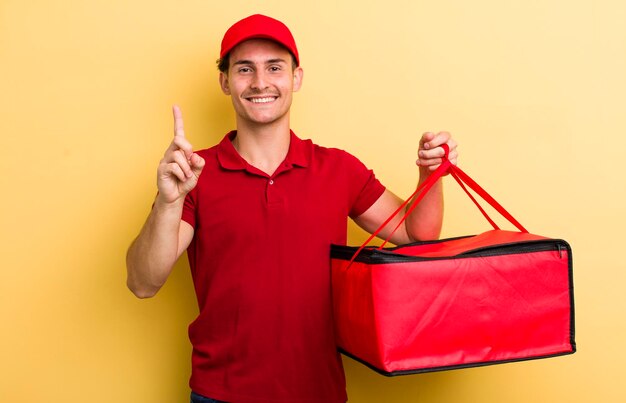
[259, 81]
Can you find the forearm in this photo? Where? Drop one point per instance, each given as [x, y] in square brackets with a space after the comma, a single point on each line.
[154, 252]
[425, 221]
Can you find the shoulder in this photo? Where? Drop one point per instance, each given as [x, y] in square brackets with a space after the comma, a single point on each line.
[332, 154]
[223, 146]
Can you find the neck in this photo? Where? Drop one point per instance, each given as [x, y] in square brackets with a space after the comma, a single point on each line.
[263, 146]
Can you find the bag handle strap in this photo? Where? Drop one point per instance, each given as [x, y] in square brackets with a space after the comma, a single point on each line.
[462, 179]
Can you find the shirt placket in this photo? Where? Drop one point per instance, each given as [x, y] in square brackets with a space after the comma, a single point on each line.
[274, 194]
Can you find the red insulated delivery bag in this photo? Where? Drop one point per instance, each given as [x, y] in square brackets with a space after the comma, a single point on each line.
[497, 297]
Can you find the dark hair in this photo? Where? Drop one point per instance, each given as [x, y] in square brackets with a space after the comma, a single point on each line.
[223, 63]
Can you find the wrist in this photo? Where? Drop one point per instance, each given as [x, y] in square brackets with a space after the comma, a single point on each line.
[163, 204]
[424, 173]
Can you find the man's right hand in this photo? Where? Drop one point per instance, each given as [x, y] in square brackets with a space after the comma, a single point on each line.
[180, 167]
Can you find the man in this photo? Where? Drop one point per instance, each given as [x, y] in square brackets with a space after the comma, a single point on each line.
[257, 214]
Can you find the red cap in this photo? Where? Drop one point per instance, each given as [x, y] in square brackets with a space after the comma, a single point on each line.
[262, 27]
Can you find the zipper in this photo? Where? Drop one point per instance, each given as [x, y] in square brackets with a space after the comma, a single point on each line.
[375, 256]
[506, 249]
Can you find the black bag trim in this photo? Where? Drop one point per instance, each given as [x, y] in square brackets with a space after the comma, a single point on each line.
[373, 255]
[452, 367]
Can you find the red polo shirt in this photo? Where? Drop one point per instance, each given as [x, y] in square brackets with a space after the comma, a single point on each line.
[261, 270]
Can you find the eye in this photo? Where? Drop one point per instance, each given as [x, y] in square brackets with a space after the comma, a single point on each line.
[244, 70]
[275, 69]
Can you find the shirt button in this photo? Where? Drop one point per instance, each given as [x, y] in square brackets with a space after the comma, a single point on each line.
[271, 181]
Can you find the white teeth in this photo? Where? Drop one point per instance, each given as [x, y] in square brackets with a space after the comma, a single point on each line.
[262, 100]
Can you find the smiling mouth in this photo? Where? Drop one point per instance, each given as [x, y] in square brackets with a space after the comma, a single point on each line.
[262, 100]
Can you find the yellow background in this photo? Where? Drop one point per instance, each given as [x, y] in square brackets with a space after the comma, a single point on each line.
[534, 91]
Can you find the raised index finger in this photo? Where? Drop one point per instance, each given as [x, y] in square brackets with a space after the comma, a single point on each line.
[179, 130]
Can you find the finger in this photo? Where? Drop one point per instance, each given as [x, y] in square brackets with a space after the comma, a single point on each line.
[433, 168]
[426, 138]
[173, 169]
[451, 144]
[453, 155]
[184, 145]
[179, 130]
[437, 140]
[182, 161]
[452, 151]
[430, 162]
[179, 143]
[437, 152]
[435, 144]
[197, 164]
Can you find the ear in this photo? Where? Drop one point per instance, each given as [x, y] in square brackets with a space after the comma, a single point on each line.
[224, 83]
[298, 75]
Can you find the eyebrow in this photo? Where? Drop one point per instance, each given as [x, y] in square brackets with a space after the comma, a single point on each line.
[250, 62]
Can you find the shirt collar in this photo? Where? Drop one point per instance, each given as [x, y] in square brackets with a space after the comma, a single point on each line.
[299, 153]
